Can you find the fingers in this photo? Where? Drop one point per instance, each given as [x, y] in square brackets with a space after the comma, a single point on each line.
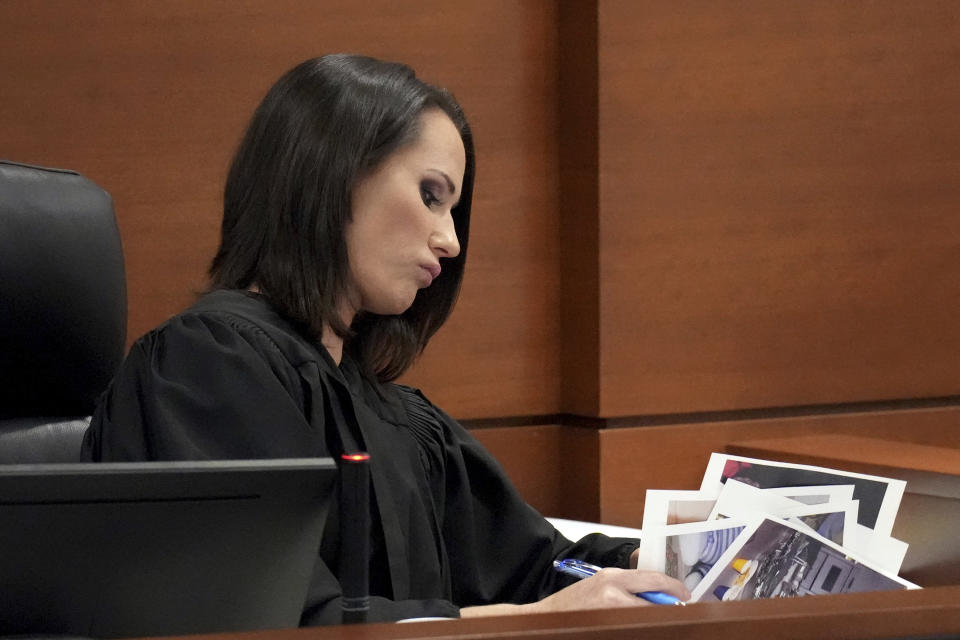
[612, 588]
[633, 581]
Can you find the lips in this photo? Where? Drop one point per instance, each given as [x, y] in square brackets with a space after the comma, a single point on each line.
[433, 270]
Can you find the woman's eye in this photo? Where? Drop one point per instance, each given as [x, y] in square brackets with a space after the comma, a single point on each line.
[429, 198]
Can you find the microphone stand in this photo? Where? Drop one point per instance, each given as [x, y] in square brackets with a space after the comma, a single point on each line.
[355, 536]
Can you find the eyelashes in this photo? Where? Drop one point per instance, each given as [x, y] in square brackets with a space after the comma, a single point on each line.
[428, 194]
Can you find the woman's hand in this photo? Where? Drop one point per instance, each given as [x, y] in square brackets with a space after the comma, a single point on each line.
[611, 588]
[607, 589]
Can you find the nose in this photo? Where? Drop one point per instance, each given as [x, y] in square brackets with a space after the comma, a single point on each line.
[443, 239]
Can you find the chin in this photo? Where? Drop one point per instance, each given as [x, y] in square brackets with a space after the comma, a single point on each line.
[393, 307]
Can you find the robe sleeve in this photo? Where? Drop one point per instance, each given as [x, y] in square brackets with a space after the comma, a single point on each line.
[203, 387]
[500, 548]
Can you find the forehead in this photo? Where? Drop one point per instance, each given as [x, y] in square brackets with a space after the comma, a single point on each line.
[437, 146]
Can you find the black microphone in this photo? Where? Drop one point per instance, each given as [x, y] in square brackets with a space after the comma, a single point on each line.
[355, 536]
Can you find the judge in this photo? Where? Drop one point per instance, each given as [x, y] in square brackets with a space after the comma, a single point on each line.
[343, 242]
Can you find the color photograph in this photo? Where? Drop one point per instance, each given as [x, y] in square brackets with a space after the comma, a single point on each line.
[665, 507]
[827, 518]
[879, 497]
[777, 559]
[688, 551]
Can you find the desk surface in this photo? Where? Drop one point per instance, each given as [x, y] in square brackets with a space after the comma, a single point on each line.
[887, 615]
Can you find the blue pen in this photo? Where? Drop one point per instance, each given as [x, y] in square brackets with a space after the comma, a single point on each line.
[580, 569]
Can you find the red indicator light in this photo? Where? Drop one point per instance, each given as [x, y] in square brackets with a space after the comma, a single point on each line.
[355, 457]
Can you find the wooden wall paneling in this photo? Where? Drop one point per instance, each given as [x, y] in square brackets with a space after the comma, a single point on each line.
[498, 355]
[579, 194]
[778, 201]
[529, 455]
[920, 465]
[555, 468]
[580, 478]
[150, 100]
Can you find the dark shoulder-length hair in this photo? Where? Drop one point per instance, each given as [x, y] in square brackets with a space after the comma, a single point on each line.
[320, 128]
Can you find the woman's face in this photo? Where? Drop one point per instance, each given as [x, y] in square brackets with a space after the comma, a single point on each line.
[402, 228]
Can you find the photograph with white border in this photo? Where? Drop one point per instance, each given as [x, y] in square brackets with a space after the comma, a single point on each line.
[833, 521]
[737, 498]
[687, 551]
[774, 558]
[883, 551]
[817, 494]
[879, 497]
[663, 507]
[830, 519]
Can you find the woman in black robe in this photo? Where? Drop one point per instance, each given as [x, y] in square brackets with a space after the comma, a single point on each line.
[346, 217]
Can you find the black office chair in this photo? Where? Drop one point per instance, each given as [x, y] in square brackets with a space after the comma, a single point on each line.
[63, 309]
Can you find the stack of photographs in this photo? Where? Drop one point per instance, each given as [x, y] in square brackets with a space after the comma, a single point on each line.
[764, 529]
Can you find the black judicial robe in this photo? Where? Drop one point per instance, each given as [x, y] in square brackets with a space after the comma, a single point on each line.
[231, 379]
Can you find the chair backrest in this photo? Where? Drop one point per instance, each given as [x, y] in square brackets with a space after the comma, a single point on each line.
[63, 309]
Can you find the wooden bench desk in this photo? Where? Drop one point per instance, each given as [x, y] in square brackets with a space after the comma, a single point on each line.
[924, 613]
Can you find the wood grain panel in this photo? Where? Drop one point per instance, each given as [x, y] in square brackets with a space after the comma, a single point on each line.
[919, 464]
[930, 614]
[778, 199]
[555, 468]
[149, 100]
[579, 201]
[528, 455]
[498, 355]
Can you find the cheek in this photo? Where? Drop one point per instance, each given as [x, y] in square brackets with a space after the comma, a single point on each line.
[384, 237]
[403, 234]
[405, 217]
